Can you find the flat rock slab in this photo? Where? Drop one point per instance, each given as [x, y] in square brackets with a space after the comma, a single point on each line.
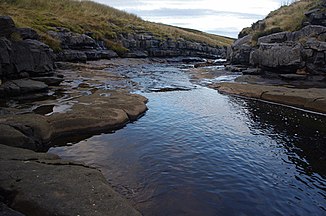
[22, 86]
[311, 99]
[42, 184]
[104, 110]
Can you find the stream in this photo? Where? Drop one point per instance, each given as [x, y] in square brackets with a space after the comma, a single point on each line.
[198, 152]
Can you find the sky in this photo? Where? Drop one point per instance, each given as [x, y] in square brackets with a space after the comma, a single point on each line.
[222, 17]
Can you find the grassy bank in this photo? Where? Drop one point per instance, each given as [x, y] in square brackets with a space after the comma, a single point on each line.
[286, 18]
[83, 16]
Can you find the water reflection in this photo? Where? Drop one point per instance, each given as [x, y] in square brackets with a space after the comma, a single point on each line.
[201, 153]
[302, 134]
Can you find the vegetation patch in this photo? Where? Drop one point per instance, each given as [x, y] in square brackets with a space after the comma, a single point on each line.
[286, 18]
[83, 16]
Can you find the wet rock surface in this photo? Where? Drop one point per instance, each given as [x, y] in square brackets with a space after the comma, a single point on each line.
[311, 99]
[42, 184]
[78, 106]
[298, 90]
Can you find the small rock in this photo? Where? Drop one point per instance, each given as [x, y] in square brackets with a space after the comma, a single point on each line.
[252, 71]
[293, 76]
[50, 81]
[27, 85]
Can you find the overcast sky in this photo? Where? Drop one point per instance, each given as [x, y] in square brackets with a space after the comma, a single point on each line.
[224, 17]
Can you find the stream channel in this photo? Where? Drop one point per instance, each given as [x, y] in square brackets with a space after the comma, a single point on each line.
[198, 152]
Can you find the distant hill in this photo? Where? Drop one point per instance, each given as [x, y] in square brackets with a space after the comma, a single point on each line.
[104, 22]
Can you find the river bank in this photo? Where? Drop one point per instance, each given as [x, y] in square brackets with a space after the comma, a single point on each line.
[81, 106]
[195, 150]
[313, 99]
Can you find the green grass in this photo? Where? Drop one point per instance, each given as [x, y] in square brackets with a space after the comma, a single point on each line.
[83, 16]
[286, 18]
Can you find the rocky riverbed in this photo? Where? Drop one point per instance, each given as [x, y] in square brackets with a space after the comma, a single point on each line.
[82, 105]
[308, 93]
[60, 114]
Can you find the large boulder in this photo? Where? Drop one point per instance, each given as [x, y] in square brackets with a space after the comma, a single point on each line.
[306, 32]
[240, 51]
[288, 51]
[279, 37]
[283, 57]
[314, 54]
[71, 40]
[23, 56]
[33, 57]
[317, 16]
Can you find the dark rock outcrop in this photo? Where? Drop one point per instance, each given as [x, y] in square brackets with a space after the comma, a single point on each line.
[23, 56]
[32, 57]
[317, 16]
[79, 47]
[284, 52]
[289, 51]
[71, 40]
[145, 44]
[285, 57]
[240, 51]
[302, 52]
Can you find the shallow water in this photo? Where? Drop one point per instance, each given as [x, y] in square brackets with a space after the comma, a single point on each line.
[198, 152]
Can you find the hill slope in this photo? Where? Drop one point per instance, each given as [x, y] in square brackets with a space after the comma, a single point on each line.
[104, 22]
[286, 18]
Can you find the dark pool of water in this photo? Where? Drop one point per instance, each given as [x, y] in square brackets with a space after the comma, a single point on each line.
[199, 152]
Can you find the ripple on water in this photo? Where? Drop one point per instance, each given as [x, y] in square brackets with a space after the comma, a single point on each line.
[202, 153]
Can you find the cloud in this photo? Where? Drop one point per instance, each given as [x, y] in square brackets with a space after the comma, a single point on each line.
[168, 12]
[214, 16]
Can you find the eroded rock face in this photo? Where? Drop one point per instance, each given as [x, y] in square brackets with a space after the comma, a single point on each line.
[42, 184]
[240, 51]
[33, 57]
[146, 44]
[71, 40]
[79, 47]
[314, 53]
[25, 56]
[290, 51]
[317, 16]
[285, 56]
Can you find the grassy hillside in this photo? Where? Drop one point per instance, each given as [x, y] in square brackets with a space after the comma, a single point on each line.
[286, 18]
[86, 16]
